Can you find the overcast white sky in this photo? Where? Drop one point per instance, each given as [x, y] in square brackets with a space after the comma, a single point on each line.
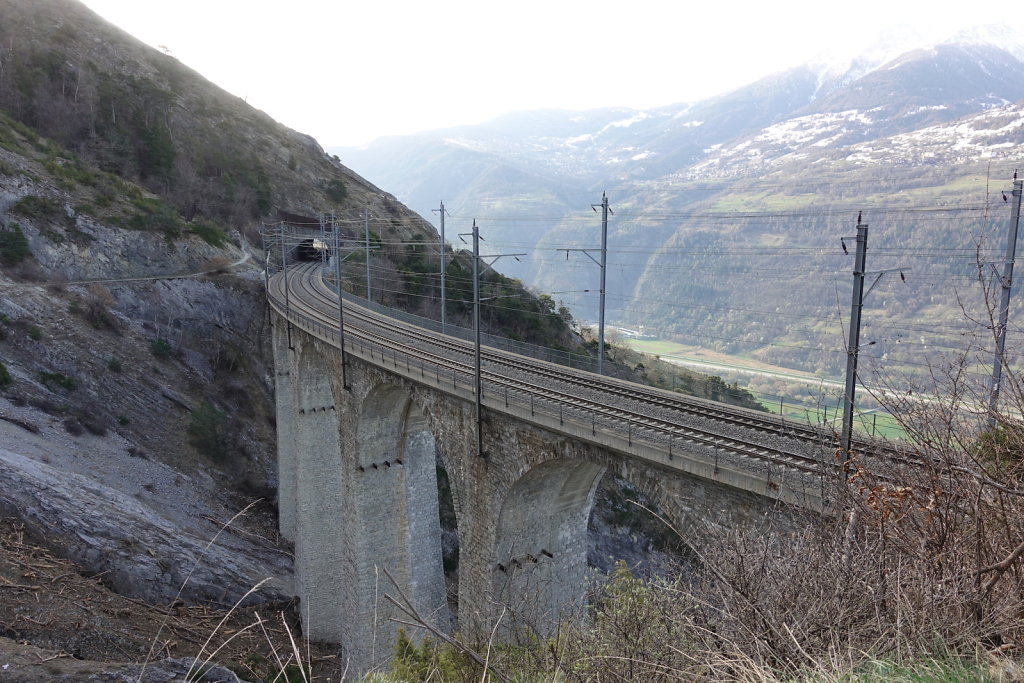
[348, 71]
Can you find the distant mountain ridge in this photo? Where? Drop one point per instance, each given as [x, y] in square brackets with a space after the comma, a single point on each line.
[918, 88]
[978, 60]
[934, 124]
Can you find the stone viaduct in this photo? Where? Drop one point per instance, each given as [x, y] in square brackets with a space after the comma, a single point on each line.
[358, 493]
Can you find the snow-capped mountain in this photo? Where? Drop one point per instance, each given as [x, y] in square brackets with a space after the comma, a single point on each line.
[997, 133]
[921, 119]
[798, 113]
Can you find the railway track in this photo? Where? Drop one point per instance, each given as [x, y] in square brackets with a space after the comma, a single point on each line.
[661, 416]
[664, 399]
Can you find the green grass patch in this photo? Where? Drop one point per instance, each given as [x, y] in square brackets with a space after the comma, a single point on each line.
[155, 216]
[656, 347]
[70, 171]
[23, 131]
[13, 246]
[209, 233]
[57, 380]
[949, 670]
[870, 423]
[38, 208]
[208, 432]
[763, 201]
[161, 348]
[335, 190]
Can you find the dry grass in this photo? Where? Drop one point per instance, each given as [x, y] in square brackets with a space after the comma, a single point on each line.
[919, 577]
[46, 602]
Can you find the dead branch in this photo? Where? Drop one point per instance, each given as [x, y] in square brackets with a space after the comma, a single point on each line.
[406, 606]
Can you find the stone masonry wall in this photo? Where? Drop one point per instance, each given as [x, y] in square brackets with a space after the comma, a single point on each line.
[365, 495]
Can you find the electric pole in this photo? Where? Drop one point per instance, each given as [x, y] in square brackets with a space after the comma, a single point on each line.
[287, 297]
[476, 338]
[444, 317]
[267, 248]
[603, 265]
[341, 302]
[323, 240]
[477, 382]
[853, 347]
[1006, 282]
[366, 221]
[284, 268]
[604, 268]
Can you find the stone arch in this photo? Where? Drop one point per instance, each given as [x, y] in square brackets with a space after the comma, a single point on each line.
[675, 496]
[396, 507]
[701, 511]
[539, 559]
[632, 516]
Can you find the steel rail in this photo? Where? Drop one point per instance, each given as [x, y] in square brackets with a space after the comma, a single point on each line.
[622, 388]
[734, 415]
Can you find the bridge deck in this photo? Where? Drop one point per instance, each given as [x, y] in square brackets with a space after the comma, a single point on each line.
[751, 451]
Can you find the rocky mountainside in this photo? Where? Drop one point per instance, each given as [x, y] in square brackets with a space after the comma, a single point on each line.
[866, 99]
[136, 392]
[137, 434]
[132, 111]
[749, 192]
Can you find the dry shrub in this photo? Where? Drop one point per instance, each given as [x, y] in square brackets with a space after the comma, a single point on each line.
[923, 562]
[924, 558]
[929, 578]
[73, 427]
[28, 271]
[930, 573]
[92, 420]
[251, 232]
[56, 283]
[217, 265]
[96, 309]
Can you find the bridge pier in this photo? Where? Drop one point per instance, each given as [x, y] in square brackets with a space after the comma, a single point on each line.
[284, 400]
[358, 495]
[539, 559]
[523, 515]
[324, 520]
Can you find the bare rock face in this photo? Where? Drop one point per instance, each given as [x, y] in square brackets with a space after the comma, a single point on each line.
[102, 252]
[624, 527]
[157, 555]
[69, 245]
